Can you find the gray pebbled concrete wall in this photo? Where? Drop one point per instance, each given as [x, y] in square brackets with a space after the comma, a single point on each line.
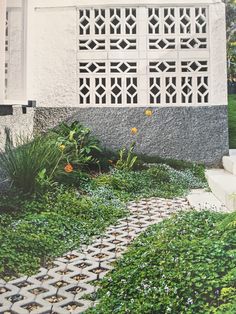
[197, 134]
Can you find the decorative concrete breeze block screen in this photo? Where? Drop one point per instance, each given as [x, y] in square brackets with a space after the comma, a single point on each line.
[143, 55]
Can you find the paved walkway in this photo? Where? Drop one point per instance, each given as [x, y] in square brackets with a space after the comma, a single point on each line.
[63, 288]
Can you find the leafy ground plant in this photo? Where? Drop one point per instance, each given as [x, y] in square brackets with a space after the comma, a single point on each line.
[35, 231]
[39, 230]
[184, 265]
[158, 180]
[78, 144]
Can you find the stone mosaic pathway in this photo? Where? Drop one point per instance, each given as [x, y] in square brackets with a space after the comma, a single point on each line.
[63, 288]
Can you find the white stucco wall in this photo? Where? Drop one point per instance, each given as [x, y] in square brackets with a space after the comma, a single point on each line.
[15, 55]
[54, 66]
[53, 57]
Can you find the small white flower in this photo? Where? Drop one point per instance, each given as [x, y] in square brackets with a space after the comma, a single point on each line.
[190, 301]
[166, 289]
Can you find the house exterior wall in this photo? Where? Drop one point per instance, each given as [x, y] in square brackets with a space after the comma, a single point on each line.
[15, 53]
[169, 56]
[68, 57]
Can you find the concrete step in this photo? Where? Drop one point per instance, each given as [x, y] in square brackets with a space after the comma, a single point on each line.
[223, 186]
[229, 163]
[203, 200]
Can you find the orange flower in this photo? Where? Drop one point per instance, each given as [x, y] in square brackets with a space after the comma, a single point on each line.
[69, 168]
[134, 131]
[148, 112]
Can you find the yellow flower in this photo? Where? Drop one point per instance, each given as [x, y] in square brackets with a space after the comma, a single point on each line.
[69, 168]
[134, 131]
[62, 147]
[148, 112]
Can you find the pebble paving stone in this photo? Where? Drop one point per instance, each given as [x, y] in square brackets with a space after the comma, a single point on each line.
[62, 289]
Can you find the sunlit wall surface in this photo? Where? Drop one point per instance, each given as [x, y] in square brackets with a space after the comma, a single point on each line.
[14, 65]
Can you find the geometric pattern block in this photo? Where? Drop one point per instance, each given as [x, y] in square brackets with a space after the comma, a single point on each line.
[130, 21]
[116, 90]
[100, 22]
[194, 66]
[92, 44]
[92, 67]
[154, 20]
[162, 66]
[123, 44]
[169, 20]
[193, 43]
[188, 25]
[63, 288]
[185, 20]
[171, 90]
[100, 90]
[118, 84]
[201, 20]
[187, 90]
[193, 87]
[162, 43]
[131, 90]
[115, 21]
[123, 67]
[84, 90]
[84, 22]
[108, 41]
[122, 21]
[202, 89]
[155, 90]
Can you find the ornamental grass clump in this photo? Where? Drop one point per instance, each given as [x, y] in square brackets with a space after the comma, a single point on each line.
[22, 164]
[62, 155]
